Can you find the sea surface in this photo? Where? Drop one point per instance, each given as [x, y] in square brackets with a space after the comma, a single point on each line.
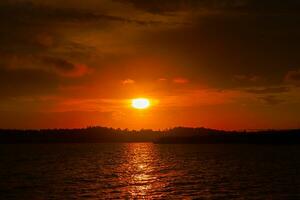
[149, 171]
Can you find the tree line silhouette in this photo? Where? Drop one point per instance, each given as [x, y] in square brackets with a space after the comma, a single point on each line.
[175, 136]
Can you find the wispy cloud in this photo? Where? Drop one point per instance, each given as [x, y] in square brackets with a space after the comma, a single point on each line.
[180, 80]
[128, 81]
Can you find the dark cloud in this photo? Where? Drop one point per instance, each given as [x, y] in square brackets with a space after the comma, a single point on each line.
[272, 100]
[34, 29]
[246, 80]
[64, 67]
[216, 47]
[243, 44]
[269, 90]
[33, 45]
[163, 6]
[59, 63]
[25, 82]
[30, 13]
[293, 77]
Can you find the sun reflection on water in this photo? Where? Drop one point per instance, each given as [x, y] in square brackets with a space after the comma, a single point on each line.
[141, 169]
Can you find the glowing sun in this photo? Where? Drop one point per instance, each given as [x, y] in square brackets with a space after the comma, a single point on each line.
[140, 103]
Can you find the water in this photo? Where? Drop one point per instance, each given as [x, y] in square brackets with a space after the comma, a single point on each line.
[149, 171]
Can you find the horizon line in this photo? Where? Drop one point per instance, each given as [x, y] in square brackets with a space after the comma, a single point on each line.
[162, 129]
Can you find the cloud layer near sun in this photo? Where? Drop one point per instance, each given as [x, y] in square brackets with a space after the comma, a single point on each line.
[223, 64]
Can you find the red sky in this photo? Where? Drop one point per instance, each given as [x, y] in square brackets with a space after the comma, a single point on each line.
[230, 64]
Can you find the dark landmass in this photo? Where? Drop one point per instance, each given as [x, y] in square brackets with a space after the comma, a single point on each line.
[177, 135]
[84, 135]
[209, 136]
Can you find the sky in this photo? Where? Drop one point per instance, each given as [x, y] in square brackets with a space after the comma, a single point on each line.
[225, 64]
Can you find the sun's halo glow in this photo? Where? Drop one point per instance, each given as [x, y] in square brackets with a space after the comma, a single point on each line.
[140, 103]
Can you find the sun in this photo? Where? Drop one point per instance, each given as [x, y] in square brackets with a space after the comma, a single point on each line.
[140, 103]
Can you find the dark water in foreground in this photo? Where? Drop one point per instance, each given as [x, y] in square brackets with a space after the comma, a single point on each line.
[149, 171]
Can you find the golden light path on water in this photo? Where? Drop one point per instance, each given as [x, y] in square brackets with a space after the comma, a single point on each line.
[142, 168]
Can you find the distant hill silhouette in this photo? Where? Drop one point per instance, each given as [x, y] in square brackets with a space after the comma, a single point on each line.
[210, 136]
[170, 136]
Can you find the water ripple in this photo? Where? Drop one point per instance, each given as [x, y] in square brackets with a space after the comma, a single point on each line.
[149, 171]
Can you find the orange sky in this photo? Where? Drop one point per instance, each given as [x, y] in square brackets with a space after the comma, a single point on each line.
[219, 64]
